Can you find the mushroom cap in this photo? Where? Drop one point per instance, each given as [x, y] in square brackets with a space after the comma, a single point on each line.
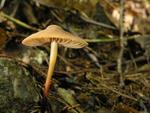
[57, 34]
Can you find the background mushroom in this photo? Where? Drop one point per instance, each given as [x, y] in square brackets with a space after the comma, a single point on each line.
[55, 35]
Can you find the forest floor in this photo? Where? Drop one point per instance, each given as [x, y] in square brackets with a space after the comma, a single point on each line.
[110, 75]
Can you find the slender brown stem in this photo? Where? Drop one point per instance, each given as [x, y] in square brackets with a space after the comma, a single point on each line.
[52, 62]
[122, 42]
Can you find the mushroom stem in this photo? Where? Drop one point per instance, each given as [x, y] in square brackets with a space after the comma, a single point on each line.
[53, 56]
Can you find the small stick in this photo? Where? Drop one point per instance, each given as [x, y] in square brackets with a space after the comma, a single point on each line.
[120, 56]
[19, 22]
[2, 3]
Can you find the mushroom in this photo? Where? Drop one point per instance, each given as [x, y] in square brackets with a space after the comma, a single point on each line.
[53, 35]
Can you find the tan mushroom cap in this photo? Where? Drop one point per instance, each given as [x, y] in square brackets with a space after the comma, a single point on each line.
[54, 33]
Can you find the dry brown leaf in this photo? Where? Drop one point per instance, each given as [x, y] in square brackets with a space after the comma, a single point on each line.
[135, 14]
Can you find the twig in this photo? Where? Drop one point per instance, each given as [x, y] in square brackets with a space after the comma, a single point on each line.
[113, 39]
[120, 56]
[2, 3]
[19, 22]
[92, 51]
[119, 93]
[89, 20]
[93, 57]
[28, 11]
[112, 89]
[16, 6]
